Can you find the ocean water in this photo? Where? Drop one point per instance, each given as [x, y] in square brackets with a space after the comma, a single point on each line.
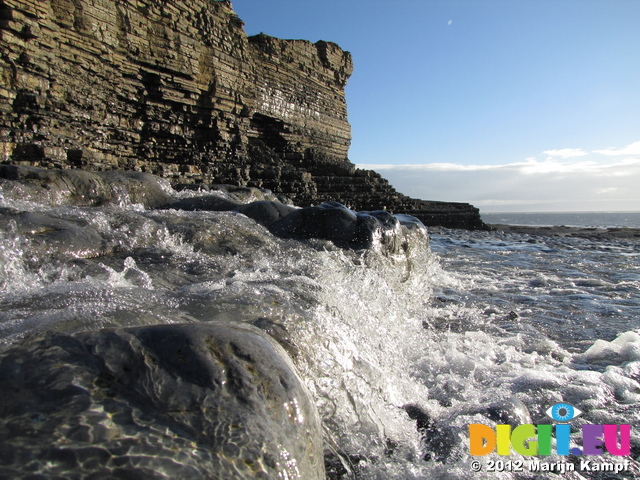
[460, 321]
[568, 219]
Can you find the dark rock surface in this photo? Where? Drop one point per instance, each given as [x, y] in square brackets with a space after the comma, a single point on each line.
[177, 89]
[439, 439]
[210, 401]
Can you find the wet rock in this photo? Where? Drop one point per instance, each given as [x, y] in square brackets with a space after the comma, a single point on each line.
[410, 222]
[51, 236]
[378, 227]
[266, 213]
[214, 401]
[82, 188]
[329, 221]
[509, 412]
[279, 333]
[344, 227]
[211, 203]
[439, 439]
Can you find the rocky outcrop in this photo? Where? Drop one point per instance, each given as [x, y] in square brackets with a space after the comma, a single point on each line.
[368, 190]
[177, 89]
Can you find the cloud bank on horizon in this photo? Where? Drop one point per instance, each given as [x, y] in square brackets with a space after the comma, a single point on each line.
[569, 179]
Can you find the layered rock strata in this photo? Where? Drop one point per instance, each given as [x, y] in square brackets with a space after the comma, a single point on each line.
[172, 88]
[177, 89]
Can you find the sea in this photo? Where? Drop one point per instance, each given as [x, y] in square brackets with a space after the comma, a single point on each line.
[567, 219]
[462, 324]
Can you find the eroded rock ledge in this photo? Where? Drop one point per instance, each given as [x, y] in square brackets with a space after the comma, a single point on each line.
[177, 89]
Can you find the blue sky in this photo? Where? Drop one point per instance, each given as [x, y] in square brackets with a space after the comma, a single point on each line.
[512, 105]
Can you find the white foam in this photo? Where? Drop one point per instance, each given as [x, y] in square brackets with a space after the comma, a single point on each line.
[624, 348]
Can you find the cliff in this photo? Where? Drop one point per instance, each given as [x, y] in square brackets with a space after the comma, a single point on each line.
[177, 89]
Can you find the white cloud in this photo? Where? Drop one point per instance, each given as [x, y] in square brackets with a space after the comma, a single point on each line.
[435, 167]
[553, 166]
[570, 180]
[633, 149]
[566, 153]
[528, 167]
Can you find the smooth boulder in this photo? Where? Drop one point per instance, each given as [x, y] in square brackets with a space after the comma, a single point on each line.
[208, 401]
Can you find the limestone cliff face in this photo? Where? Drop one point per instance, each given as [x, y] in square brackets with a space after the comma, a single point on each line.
[177, 89]
[173, 88]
